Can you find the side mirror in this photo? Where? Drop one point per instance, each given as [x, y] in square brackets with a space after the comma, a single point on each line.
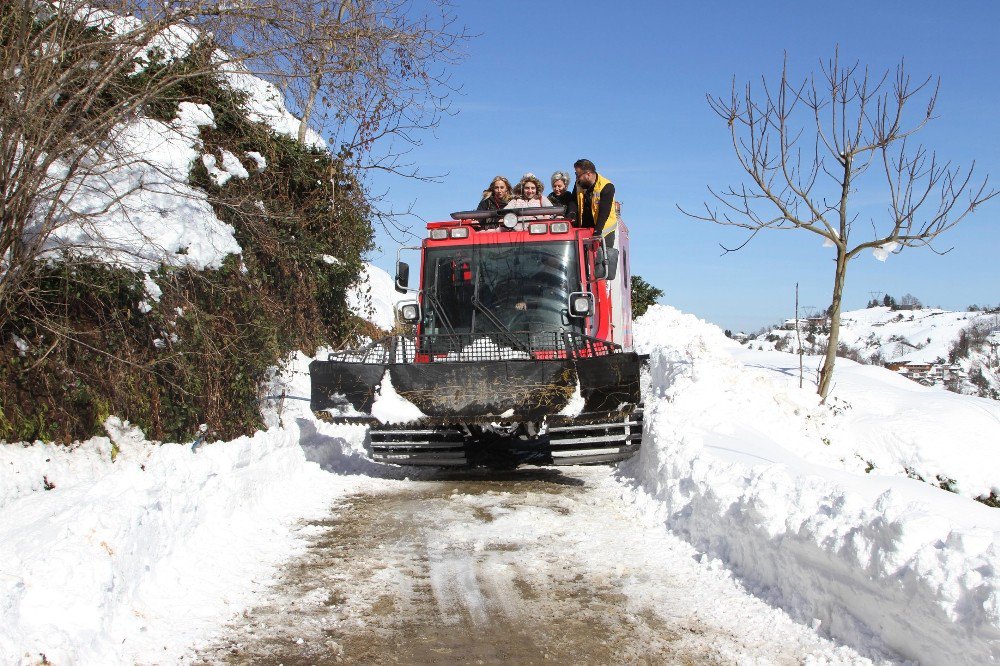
[600, 263]
[581, 304]
[410, 312]
[611, 267]
[402, 276]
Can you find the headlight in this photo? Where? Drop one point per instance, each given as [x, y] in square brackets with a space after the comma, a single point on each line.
[439, 234]
[581, 304]
[538, 228]
[510, 220]
[410, 312]
[559, 227]
[460, 232]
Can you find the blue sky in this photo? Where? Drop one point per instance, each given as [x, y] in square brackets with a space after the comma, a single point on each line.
[624, 85]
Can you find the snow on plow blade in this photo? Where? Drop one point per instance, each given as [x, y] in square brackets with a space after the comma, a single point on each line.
[459, 391]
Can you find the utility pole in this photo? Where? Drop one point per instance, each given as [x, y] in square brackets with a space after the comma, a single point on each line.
[798, 332]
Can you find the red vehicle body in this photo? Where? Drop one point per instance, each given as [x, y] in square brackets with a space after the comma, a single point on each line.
[522, 350]
[611, 320]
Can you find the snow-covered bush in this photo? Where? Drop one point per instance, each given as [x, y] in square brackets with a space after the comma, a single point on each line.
[167, 303]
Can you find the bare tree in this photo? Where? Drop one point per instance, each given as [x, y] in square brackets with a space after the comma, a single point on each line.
[806, 147]
[365, 72]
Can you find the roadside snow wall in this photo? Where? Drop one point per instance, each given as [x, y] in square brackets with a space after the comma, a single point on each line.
[133, 560]
[734, 460]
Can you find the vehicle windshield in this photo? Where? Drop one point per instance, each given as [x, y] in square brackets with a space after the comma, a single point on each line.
[486, 289]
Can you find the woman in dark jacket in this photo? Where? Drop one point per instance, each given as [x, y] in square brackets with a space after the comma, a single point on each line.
[497, 196]
[561, 194]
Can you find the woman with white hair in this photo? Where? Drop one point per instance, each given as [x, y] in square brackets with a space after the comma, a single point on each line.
[561, 195]
[528, 194]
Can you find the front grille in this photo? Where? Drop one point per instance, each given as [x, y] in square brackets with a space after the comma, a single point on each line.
[473, 347]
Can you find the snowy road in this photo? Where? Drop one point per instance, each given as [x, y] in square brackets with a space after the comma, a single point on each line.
[534, 566]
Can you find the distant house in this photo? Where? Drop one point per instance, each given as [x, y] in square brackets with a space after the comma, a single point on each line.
[945, 371]
[805, 324]
[910, 367]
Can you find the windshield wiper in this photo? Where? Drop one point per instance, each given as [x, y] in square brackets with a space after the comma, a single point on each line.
[502, 330]
[439, 311]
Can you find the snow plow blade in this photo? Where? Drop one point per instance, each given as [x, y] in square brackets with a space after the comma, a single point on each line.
[477, 409]
[481, 389]
[475, 390]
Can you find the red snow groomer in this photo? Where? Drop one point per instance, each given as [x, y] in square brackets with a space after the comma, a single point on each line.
[522, 352]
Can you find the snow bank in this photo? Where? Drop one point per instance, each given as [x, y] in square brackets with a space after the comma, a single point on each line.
[885, 424]
[133, 560]
[736, 460]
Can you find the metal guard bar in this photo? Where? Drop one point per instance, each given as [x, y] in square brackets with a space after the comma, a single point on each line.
[473, 347]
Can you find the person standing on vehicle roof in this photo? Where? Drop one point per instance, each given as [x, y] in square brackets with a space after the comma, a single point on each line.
[595, 201]
[561, 194]
[528, 194]
[497, 196]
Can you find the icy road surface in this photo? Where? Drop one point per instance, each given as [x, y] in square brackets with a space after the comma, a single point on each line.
[534, 566]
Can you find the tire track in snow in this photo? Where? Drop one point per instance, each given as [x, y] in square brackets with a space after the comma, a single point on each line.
[531, 567]
[456, 589]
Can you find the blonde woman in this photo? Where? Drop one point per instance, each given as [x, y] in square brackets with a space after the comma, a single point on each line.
[497, 196]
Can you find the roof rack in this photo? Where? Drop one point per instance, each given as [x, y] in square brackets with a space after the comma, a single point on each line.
[486, 215]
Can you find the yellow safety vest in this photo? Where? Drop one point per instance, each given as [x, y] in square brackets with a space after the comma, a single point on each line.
[595, 205]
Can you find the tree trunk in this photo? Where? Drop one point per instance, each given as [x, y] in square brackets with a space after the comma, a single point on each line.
[314, 84]
[826, 371]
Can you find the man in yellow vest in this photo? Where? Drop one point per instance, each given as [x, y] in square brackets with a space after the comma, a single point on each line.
[595, 201]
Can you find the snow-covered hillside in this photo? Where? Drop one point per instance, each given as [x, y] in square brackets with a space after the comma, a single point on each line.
[138, 209]
[906, 339]
[168, 222]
